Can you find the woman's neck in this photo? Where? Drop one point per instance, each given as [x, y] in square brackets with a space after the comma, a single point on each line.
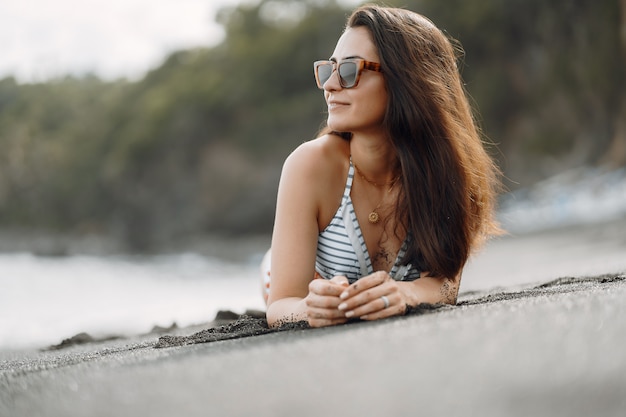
[375, 159]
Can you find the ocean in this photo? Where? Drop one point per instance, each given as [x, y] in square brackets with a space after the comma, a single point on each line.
[46, 299]
[572, 225]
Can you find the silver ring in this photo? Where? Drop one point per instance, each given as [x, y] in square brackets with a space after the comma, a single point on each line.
[385, 300]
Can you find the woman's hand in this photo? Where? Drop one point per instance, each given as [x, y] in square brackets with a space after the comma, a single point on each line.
[373, 297]
[323, 301]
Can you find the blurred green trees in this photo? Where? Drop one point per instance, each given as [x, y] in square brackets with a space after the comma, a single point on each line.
[196, 146]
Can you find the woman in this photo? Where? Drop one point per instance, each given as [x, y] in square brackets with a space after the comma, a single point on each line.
[387, 204]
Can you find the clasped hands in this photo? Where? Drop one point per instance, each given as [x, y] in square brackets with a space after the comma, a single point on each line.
[335, 301]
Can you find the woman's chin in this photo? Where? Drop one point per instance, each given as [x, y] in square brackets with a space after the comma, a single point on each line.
[337, 126]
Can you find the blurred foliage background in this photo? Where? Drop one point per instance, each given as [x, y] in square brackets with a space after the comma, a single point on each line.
[196, 147]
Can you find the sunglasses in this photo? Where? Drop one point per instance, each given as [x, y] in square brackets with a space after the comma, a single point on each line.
[349, 71]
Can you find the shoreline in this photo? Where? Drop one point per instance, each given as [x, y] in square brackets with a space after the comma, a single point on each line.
[548, 349]
[509, 262]
[229, 325]
[513, 262]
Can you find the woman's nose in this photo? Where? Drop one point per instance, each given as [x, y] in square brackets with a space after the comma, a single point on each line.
[333, 81]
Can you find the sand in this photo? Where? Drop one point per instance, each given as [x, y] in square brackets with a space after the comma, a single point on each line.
[554, 349]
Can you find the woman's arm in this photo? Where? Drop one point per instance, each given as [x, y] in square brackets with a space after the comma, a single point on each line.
[431, 290]
[293, 241]
[309, 179]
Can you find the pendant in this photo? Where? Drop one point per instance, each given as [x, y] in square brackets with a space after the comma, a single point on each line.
[373, 217]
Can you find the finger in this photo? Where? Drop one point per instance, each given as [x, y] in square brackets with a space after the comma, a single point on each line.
[326, 322]
[325, 287]
[341, 280]
[314, 300]
[392, 310]
[378, 307]
[373, 305]
[319, 316]
[362, 298]
[365, 296]
[365, 283]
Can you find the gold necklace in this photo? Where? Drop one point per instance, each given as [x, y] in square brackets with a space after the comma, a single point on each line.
[375, 184]
[374, 217]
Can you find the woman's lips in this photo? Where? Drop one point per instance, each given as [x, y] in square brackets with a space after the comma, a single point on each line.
[336, 104]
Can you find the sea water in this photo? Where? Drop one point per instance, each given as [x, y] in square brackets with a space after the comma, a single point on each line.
[46, 299]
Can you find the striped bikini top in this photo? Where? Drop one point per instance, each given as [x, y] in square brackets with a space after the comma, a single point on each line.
[341, 249]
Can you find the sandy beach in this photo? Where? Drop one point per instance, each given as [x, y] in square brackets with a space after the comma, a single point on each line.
[550, 346]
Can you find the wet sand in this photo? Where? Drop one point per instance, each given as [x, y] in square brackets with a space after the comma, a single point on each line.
[527, 346]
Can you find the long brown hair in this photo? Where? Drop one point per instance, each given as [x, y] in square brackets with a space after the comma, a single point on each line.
[450, 183]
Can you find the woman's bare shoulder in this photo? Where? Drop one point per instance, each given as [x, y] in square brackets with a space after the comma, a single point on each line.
[319, 156]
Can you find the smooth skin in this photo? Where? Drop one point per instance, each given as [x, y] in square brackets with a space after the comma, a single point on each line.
[310, 191]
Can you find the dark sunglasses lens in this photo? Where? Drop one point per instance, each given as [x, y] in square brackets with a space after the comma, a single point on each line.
[347, 73]
[324, 72]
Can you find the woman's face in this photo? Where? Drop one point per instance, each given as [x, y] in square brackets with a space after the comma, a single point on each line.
[360, 109]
